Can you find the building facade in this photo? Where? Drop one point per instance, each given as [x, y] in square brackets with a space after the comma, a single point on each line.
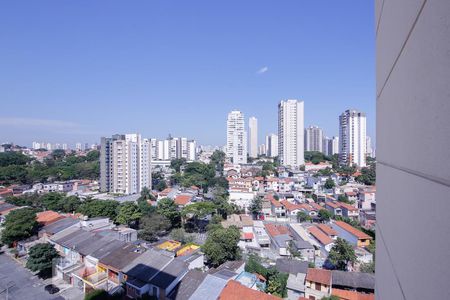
[236, 148]
[125, 164]
[314, 139]
[253, 137]
[291, 133]
[352, 138]
[272, 145]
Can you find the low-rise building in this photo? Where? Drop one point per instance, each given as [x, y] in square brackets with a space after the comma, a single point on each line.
[351, 234]
[318, 284]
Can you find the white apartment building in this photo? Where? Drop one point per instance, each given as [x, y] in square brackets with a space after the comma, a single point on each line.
[313, 139]
[253, 137]
[291, 133]
[334, 145]
[125, 164]
[352, 138]
[236, 148]
[369, 148]
[262, 150]
[173, 148]
[272, 145]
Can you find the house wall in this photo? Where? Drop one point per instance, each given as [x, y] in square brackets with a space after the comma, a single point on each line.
[345, 235]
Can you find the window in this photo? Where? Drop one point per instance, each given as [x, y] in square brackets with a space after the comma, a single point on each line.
[318, 286]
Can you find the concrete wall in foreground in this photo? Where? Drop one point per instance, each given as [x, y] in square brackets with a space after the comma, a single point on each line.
[413, 149]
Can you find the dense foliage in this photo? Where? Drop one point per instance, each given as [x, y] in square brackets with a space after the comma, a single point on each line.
[40, 259]
[19, 225]
[16, 167]
[276, 281]
[341, 255]
[221, 245]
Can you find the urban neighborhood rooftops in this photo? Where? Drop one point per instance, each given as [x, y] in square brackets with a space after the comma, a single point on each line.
[352, 230]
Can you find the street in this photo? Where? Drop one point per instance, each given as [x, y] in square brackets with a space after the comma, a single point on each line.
[22, 284]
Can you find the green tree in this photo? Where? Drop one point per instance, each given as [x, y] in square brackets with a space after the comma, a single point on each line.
[256, 206]
[52, 201]
[19, 225]
[177, 163]
[294, 253]
[368, 175]
[332, 297]
[70, 204]
[168, 209]
[128, 213]
[343, 198]
[40, 259]
[329, 184]
[218, 160]
[324, 215]
[367, 267]
[93, 155]
[221, 245]
[179, 234]
[193, 213]
[161, 185]
[341, 254]
[303, 217]
[13, 158]
[153, 226]
[99, 208]
[97, 295]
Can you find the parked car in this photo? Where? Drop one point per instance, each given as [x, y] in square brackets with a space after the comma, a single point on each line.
[51, 289]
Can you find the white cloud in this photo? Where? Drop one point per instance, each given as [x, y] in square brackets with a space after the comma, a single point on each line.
[262, 70]
[30, 122]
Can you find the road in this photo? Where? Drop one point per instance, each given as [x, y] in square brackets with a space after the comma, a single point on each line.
[23, 285]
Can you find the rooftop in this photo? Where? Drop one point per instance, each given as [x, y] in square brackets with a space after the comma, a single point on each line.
[352, 230]
[320, 235]
[319, 275]
[236, 291]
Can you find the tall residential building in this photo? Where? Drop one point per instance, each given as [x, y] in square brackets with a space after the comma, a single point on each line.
[352, 138]
[262, 150]
[291, 133]
[326, 141]
[253, 137]
[64, 146]
[125, 164]
[334, 145]
[313, 139]
[236, 148]
[369, 149]
[172, 148]
[78, 147]
[272, 145]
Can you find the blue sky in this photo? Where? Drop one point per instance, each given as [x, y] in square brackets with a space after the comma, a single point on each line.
[76, 70]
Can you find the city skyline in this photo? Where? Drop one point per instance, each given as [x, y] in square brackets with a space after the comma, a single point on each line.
[74, 80]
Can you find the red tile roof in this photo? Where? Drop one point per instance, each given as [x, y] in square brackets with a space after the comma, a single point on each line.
[351, 295]
[316, 206]
[48, 217]
[319, 275]
[327, 229]
[290, 206]
[236, 291]
[332, 204]
[352, 230]
[183, 199]
[319, 235]
[347, 206]
[275, 230]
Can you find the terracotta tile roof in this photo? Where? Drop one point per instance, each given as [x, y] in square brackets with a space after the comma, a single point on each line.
[48, 217]
[347, 206]
[316, 206]
[236, 291]
[275, 202]
[319, 275]
[350, 193]
[359, 234]
[183, 199]
[327, 229]
[319, 235]
[275, 230]
[290, 206]
[351, 295]
[332, 204]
